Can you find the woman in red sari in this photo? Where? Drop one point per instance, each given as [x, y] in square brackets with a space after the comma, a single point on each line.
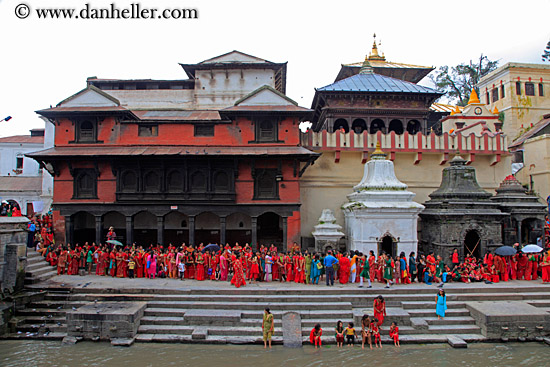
[372, 266]
[379, 309]
[275, 266]
[112, 263]
[289, 268]
[238, 274]
[344, 270]
[75, 260]
[103, 261]
[119, 264]
[200, 266]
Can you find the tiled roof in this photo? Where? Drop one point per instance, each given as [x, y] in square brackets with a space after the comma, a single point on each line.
[148, 150]
[15, 183]
[23, 139]
[532, 132]
[177, 115]
[286, 108]
[376, 83]
[442, 107]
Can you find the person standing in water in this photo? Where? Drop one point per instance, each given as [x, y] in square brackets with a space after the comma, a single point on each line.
[267, 327]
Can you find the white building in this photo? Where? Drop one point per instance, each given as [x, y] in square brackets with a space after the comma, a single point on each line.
[21, 178]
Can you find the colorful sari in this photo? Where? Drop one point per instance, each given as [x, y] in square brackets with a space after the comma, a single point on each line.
[238, 274]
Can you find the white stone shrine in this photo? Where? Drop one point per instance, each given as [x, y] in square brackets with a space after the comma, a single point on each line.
[381, 215]
[327, 233]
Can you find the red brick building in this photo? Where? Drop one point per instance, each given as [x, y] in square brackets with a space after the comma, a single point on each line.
[212, 158]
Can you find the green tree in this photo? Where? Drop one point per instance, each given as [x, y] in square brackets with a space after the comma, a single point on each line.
[458, 81]
[546, 53]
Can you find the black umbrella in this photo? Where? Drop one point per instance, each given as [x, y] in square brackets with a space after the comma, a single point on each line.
[505, 251]
[211, 247]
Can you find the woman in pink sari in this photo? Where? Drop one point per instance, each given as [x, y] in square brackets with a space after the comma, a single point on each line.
[224, 266]
[238, 274]
[152, 265]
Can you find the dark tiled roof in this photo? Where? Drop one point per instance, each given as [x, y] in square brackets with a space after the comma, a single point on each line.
[148, 150]
[376, 83]
[177, 115]
[532, 132]
[286, 108]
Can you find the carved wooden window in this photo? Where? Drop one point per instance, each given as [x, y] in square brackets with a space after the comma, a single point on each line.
[175, 181]
[266, 131]
[128, 181]
[86, 131]
[151, 182]
[221, 181]
[204, 130]
[148, 130]
[85, 184]
[266, 185]
[198, 182]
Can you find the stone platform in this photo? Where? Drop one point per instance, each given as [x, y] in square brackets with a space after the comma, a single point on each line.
[105, 320]
[215, 312]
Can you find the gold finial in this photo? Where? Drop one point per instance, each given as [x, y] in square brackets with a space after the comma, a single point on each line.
[495, 111]
[378, 153]
[374, 55]
[474, 99]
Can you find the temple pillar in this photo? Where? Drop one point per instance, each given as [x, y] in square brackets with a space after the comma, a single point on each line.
[518, 237]
[285, 233]
[129, 230]
[222, 231]
[191, 230]
[160, 229]
[69, 229]
[254, 240]
[98, 223]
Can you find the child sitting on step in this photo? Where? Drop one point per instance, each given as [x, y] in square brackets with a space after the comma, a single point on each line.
[394, 334]
[375, 332]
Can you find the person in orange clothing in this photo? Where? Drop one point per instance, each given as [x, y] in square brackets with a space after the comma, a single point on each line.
[430, 262]
[200, 266]
[345, 267]
[315, 335]
[394, 334]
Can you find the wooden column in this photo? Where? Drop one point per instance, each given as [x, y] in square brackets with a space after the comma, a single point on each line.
[285, 232]
[69, 229]
[222, 231]
[98, 223]
[160, 229]
[129, 230]
[192, 230]
[254, 240]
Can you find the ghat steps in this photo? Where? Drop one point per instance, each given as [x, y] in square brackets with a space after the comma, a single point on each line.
[209, 315]
[37, 269]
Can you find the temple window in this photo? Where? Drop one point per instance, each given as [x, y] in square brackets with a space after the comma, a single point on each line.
[148, 130]
[541, 90]
[529, 89]
[518, 88]
[502, 95]
[413, 127]
[86, 131]
[341, 125]
[265, 184]
[396, 126]
[377, 125]
[494, 94]
[204, 130]
[358, 126]
[266, 131]
[85, 184]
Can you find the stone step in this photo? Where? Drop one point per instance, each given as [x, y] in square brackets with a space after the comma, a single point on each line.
[41, 312]
[305, 314]
[161, 320]
[416, 305]
[43, 269]
[40, 278]
[249, 306]
[166, 329]
[42, 320]
[430, 313]
[453, 329]
[42, 329]
[164, 312]
[35, 336]
[55, 304]
[36, 264]
[450, 320]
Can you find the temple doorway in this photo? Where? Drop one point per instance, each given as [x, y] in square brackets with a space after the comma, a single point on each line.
[387, 244]
[270, 230]
[472, 244]
[84, 228]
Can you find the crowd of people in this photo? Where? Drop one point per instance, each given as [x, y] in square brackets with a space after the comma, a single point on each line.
[370, 327]
[240, 264]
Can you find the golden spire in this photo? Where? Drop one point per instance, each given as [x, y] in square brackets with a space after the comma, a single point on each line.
[495, 111]
[378, 153]
[474, 99]
[374, 55]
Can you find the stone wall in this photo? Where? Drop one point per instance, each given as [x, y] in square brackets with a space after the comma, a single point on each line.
[13, 253]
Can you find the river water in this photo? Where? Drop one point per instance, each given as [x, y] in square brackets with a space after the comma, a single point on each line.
[39, 353]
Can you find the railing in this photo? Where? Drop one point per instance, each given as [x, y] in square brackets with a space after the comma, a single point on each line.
[485, 144]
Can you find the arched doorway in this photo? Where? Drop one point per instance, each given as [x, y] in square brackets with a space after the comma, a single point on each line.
[358, 126]
[387, 244]
[238, 228]
[176, 228]
[377, 125]
[145, 229]
[341, 124]
[413, 126]
[84, 228]
[397, 126]
[116, 220]
[472, 244]
[270, 230]
[530, 230]
[207, 228]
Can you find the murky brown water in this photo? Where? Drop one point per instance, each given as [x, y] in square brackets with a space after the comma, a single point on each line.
[37, 353]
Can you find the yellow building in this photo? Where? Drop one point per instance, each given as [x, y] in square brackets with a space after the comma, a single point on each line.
[521, 92]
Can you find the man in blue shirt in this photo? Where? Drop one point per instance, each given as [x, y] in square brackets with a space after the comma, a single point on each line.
[329, 262]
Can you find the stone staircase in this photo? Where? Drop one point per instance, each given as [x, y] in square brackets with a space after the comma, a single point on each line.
[38, 269]
[234, 316]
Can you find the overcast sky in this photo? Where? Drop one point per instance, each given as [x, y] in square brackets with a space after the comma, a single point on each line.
[44, 61]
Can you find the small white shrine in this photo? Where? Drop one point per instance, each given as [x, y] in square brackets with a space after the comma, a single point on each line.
[327, 233]
[381, 215]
